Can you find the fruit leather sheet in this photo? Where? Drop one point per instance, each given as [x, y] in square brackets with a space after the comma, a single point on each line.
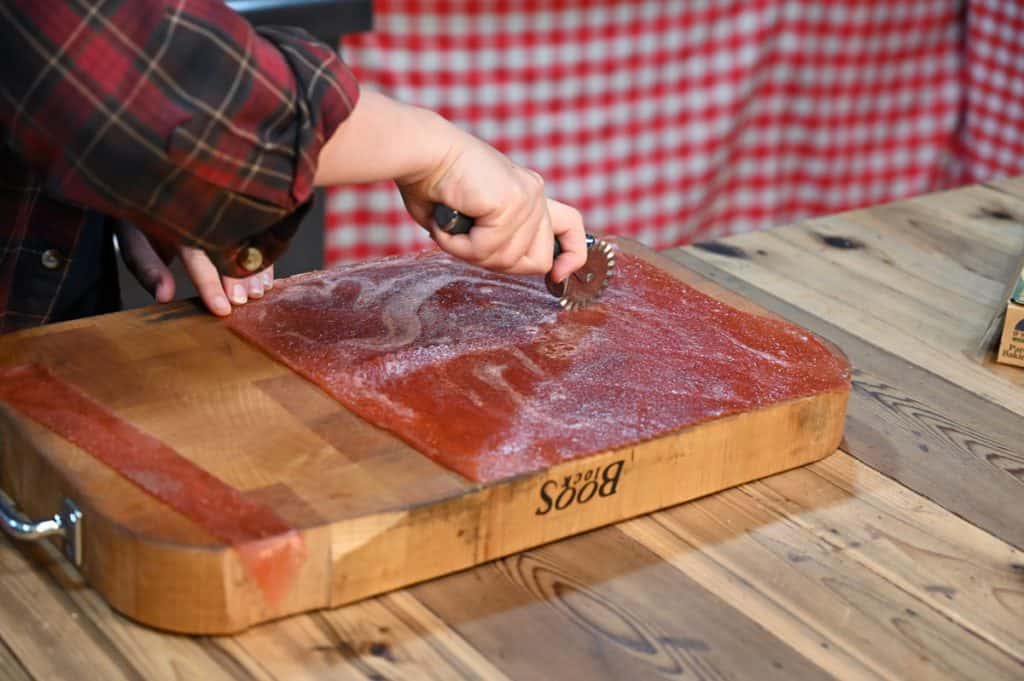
[486, 375]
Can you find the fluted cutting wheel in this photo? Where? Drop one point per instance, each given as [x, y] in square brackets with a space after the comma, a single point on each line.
[584, 286]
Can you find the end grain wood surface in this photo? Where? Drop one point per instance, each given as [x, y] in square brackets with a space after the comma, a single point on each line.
[370, 513]
[898, 557]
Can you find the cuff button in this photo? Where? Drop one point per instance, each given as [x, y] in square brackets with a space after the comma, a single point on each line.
[251, 259]
[52, 259]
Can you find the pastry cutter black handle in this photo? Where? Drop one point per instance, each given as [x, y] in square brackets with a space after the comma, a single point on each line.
[579, 289]
[452, 221]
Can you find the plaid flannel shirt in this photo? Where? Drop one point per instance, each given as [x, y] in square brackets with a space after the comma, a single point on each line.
[175, 115]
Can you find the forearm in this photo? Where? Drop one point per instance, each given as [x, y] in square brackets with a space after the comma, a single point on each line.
[384, 139]
[433, 161]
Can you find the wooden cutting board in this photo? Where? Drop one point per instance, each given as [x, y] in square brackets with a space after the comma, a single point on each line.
[372, 513]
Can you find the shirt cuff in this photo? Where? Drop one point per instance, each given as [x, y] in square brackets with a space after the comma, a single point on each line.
[327, 93]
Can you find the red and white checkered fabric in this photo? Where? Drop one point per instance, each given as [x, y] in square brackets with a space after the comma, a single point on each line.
[993, 132]
[684, 120]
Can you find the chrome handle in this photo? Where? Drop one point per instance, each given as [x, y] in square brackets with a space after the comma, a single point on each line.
[66, 523]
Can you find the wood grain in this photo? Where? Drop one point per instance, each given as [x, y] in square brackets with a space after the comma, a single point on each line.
[10, 668]
[397, 636]
[47, 634]
[967, 240]
[615, 610]
[919, 428]
[853, 571]
[293, 648]
[961, 572]
[1013, 186]
[153, 654]
[392, 637]
[372, 513]
[962, 225]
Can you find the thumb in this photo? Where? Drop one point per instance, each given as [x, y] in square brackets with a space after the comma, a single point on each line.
[145, 264]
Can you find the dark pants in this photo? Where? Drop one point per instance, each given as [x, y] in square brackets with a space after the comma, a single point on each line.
[91, 286]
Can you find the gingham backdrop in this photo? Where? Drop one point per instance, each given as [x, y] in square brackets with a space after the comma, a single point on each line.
[685, 120]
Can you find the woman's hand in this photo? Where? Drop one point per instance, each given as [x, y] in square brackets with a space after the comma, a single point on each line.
[514, 223]
[152, 272]
[433, 161]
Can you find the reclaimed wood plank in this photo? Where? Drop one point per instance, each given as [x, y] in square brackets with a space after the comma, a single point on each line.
[932, 276]
[44, 629]
[914, 425]
[972, 216]
[600, 606]
[865, 259]
[10, 667]
[294, 648]
[389, 637]
[898, 244]
[987, 345]
[859, 574]
[155, 654]
[397, 637]
[928, 287]
[1013, 186]
[957, 240]
[959, 225]
[849, 284]
[939, 315]
[784, 278]
[146, 652]
[962, 572]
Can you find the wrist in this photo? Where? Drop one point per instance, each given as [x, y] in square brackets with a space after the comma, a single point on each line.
[432, 144]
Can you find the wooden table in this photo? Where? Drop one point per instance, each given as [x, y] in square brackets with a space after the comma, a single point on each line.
[897, 557]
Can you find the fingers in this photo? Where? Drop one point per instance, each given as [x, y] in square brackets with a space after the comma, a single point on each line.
[500, 248]
[421, 211]
[215, 290]
[145, 264]
[567, 225]
[512, 232]
[240, 291]
[515, 225]
[529, 251]
[207, 280]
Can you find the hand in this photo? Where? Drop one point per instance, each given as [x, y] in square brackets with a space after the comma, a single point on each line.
[151, 270]
[514, 223]
[433, 161]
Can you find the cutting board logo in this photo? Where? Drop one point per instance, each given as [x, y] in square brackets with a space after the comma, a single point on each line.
[580, 487]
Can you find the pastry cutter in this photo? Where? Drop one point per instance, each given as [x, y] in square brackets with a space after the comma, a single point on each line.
[579, 289]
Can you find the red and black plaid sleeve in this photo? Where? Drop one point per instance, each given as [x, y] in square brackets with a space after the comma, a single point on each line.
[174, 114]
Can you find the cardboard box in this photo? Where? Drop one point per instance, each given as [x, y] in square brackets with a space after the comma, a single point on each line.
[1011, 347]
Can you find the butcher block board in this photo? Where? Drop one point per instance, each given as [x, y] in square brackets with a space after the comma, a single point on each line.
[373, 514]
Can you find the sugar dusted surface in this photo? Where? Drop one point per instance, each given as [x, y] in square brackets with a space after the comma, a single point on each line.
[484, 373]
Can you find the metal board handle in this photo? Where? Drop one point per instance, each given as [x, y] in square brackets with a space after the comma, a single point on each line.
[66, 523]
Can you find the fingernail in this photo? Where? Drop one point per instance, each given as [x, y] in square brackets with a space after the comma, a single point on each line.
[256, 288]
[268, 281]
[221, 306]
[161, 294]
[238, 296]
